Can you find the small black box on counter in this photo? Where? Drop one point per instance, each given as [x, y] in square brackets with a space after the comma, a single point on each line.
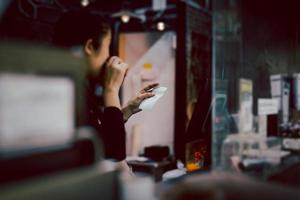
[157, 153]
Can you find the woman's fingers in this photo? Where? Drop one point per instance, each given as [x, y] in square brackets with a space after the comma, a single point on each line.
[116, 61]
[136, 110]
[149, 87]
[133, 105]
[110, 61]
[144, 96]
[125, 66]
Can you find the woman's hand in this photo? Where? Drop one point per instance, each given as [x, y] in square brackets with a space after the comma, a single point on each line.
[115, 72]
[133, 105]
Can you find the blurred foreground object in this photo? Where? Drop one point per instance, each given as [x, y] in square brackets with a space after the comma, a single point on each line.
[217, 185]
[42, 99]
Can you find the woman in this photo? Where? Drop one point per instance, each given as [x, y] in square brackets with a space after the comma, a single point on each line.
[90, 36]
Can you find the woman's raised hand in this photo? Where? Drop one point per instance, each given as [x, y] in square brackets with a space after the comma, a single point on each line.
[115, 73]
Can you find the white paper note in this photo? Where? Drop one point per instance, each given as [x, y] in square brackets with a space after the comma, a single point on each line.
[150, 102]
[268, 106]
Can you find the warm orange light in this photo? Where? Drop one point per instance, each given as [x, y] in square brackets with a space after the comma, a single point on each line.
[192, 166]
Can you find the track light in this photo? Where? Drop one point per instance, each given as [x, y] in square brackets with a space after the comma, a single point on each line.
[125, 18]
[85, 3]
[161, 26]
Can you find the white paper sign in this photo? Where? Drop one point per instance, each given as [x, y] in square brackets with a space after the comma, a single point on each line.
[246, 104]
[297, 90]
[268, 106]
[275, 87]
[150, 102]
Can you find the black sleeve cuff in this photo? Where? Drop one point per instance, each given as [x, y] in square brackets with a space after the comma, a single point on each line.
[114, 137]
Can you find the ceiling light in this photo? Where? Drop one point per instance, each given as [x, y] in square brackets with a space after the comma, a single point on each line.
[161, 26]
[85, 3]
[125, 18]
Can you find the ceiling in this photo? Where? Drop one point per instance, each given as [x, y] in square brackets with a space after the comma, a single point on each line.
[34, 19]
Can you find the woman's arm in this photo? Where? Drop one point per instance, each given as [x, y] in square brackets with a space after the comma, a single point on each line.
[112, 124]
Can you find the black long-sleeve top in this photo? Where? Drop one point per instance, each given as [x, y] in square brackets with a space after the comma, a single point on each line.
[108, 122]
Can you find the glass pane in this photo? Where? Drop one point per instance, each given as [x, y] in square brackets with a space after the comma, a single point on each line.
[256, 74]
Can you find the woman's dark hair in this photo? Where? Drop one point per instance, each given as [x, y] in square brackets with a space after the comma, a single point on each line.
[75, 28]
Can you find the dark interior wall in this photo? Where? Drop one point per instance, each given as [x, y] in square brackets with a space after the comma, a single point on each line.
[254, 40]
[270, 32]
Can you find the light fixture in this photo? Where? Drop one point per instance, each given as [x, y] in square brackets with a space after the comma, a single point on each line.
[85, 3]
[161, 26]
[125, 17]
